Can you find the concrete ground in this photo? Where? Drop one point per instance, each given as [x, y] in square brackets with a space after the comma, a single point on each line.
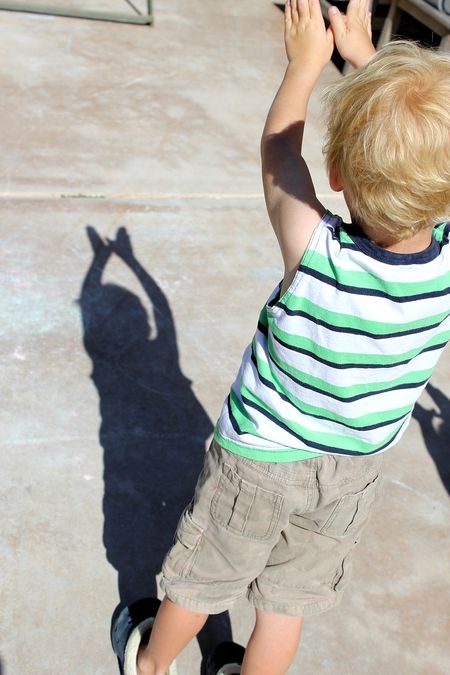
[117, 356]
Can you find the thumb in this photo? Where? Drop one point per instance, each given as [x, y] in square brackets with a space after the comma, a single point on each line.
[94, 238]
[336, 20]
[330, 36]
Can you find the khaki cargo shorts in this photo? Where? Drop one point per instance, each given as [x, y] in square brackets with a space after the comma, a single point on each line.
[281, 534]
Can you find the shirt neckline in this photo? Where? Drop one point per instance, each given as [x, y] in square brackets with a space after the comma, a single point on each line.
[371, 249]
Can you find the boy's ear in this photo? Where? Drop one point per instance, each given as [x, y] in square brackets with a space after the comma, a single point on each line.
[335, 182]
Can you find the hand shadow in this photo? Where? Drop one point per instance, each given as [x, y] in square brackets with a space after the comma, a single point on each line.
[153, 428]
[437, 440]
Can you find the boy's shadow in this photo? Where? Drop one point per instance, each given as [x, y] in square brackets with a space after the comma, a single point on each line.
[153, 428]
[436, 440]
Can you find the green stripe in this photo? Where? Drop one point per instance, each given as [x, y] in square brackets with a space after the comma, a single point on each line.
[342, 358]
[382, 417]
[259, 455]
[263, 318]
[366, 280]
[339, 320]
[337, 441]
[344, 237]
[371, 387]
[438, 232]
[240, 415]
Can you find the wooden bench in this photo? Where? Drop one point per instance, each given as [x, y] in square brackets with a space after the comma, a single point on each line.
[432, 18]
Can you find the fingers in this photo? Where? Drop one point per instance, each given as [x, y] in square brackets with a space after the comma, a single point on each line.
[288, 13]
[330, 37]
[315, 9]
[359, 8]
[366, 6]
[304, 8]
[296, 9]
[368, 11]
[336, 20]
[94, 238]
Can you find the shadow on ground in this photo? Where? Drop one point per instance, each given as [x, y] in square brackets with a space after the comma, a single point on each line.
[153, 429]
[436, 437]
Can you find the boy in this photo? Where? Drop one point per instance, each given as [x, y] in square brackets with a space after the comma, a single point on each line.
[344, 345]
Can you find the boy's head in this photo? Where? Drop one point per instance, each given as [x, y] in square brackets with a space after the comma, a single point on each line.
[388, 140]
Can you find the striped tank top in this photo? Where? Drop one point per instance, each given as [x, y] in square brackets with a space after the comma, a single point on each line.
[338, 362]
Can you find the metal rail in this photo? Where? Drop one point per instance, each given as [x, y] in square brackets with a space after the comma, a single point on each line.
[97, 15]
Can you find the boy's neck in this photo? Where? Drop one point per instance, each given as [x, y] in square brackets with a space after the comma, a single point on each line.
[416, 244]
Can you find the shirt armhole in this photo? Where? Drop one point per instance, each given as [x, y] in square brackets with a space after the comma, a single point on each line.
[327, 219]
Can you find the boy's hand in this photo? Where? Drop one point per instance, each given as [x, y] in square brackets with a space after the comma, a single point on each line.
[306, 39]
[353, 32]
[121, 245]
[97, 242]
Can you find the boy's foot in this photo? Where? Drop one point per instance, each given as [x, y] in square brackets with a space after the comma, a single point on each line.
[131, 627]
[225, 659]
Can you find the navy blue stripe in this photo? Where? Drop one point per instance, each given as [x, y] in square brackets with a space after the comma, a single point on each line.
[367, 247]
[344, 366]
[357, 331]
[276, 297]
[445, 234]
[271, 386]
[311, 444]
[233, 420]
[361, 243]
[263, 329]
[351, 247]
[344, 399]
[370, 291]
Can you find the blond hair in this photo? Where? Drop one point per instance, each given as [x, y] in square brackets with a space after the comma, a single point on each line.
[388, 138]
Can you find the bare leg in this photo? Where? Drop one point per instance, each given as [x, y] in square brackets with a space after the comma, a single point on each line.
[173, 629]
[272, 645]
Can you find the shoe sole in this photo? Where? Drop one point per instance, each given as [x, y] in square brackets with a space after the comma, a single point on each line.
[127, 653]
[225, 659]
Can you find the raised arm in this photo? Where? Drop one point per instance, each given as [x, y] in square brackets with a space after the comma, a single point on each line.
[291, 201]
[162, 312]
[292, 204]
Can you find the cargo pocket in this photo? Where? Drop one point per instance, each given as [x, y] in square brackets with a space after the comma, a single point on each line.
[343, 575]
[351, 512]
[244, 508]
[181, 557]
